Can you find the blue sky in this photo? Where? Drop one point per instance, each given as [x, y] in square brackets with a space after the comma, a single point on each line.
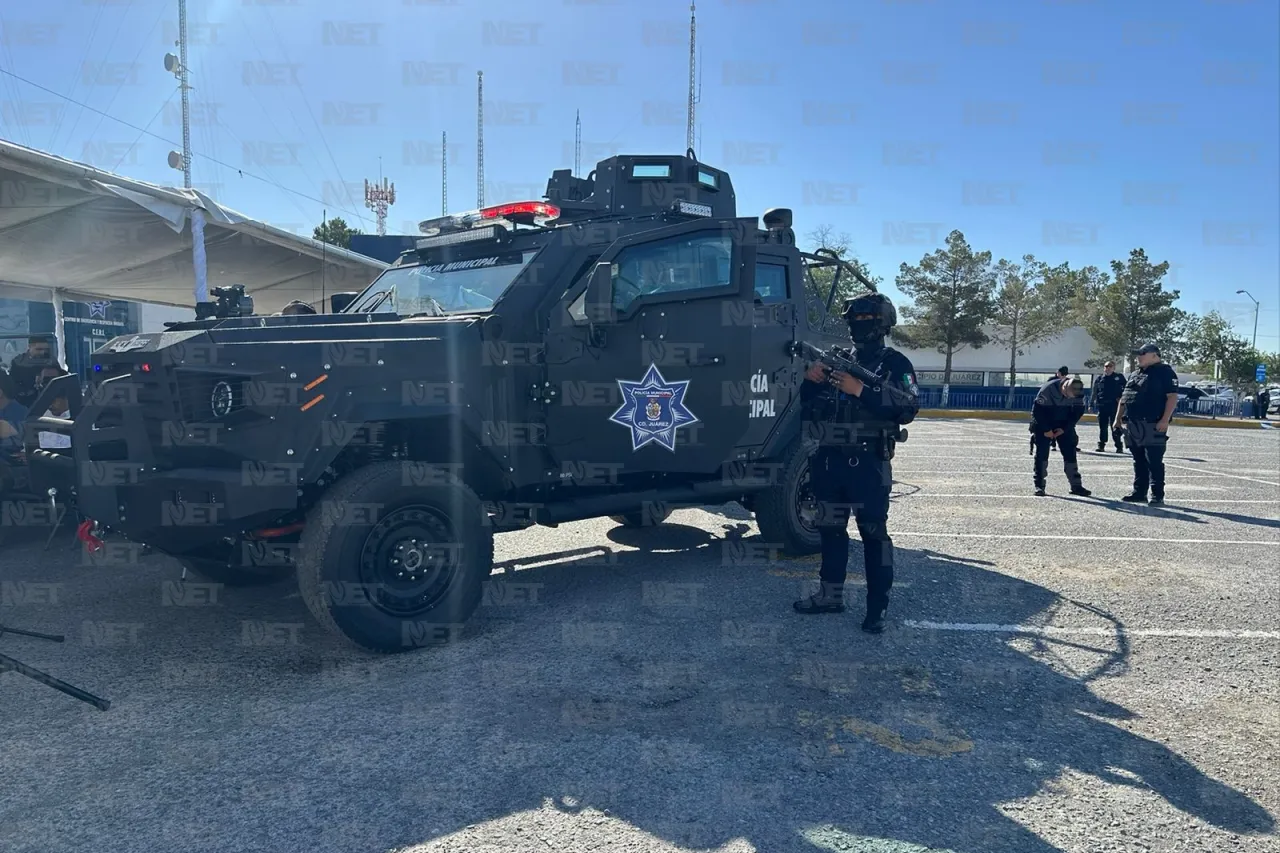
[1074, 130]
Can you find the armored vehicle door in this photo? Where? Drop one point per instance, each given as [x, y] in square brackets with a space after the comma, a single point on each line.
[639, 354]
[765, 388]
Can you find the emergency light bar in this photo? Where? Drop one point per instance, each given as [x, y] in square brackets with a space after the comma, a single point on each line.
[517, 212]
[451, 238]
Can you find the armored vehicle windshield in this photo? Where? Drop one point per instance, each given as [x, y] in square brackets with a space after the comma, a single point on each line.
[462, 286]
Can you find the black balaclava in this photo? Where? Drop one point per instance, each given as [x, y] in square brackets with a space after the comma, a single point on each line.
[868, 335]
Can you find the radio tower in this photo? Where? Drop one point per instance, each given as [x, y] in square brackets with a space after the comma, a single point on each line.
[480, 138]
[693, 40]
[379, 198]
[577, 143]
[444, 173]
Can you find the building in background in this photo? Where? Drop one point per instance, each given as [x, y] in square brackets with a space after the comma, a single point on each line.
[88, 326]
[988, 366]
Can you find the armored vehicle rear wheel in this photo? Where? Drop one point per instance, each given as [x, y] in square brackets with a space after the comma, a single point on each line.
[237, 566]
[642, 518]
[394, 566]
[782, 511]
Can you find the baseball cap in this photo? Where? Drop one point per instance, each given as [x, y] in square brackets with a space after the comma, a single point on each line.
[1147, 348]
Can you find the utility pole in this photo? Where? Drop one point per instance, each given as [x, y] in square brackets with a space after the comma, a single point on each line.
[444, 173]
[1256, 306]
[479, 139]
[177, 65]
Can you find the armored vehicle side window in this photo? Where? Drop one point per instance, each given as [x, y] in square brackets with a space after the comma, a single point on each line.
[771, 283]
[680, 264]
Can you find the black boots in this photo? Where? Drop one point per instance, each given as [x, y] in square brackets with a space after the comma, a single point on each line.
[830, 599]
[1135, 498]
[1039, 491]
[1080, 490]
[1102, 445]
[873, 622]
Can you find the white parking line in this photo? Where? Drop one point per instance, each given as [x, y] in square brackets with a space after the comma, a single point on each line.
[1270, 543]
[1051, 631]
[1232, 476]
[1036, 498]
[1027, 473]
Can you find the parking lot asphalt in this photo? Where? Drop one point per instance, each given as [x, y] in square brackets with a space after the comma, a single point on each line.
[1060, 674]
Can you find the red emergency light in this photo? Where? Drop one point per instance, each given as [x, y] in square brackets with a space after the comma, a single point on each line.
[515, 213]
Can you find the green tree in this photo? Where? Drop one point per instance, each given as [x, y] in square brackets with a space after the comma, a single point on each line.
[335, 232]
[1029, 306]
[952, 291]
[1212, 340]
[1135, 309]
[1075, 292]
[819, 281]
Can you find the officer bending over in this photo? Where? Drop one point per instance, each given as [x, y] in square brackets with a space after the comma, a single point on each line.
[856, 428]
[1106, 399]
[1146, 407]
[1057, 409]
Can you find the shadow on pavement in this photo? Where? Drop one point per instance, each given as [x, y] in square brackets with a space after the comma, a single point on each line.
[672, 687]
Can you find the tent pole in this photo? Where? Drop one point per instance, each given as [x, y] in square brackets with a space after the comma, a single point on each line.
[197, 254]
[59, 326]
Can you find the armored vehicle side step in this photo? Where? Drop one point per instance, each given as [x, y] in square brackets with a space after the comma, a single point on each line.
[693, 494]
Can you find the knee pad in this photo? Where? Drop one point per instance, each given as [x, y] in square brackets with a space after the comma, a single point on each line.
[874, 531]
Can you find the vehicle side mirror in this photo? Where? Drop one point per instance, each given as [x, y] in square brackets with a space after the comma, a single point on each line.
[598, 305]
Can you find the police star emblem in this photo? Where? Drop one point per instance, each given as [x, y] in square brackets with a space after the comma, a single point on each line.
[653, 409]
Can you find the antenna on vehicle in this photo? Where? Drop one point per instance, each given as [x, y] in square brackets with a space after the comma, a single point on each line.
[693, 63]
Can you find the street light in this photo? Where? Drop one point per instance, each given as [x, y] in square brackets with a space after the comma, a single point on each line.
[1256, 305]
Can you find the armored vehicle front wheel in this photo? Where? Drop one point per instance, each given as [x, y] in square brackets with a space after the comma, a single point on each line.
[785, 511]
[238, 566]
[394, 566]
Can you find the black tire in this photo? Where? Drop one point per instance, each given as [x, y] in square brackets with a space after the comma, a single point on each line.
[642, 517]
[354, 569]
[230, 566]
[777, 509]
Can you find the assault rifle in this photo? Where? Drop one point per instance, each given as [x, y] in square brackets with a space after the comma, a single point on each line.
[835, 359]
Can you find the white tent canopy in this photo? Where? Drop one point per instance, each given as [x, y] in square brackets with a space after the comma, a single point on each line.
[78, 231]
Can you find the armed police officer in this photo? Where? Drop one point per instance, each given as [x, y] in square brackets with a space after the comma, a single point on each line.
[1057, 409]
[857, 425]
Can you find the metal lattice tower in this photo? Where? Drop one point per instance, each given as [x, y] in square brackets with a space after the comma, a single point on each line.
[693, 63]
[479, 139]
[379, 199]
[577, 143]
[186, 104]
[444, 172]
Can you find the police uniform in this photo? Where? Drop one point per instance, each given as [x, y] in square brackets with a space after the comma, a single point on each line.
[1054, 410]
[1145, 397]
[1106, 397]
[851, 472]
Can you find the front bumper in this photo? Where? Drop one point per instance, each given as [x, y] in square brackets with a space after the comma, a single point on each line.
[115, 476]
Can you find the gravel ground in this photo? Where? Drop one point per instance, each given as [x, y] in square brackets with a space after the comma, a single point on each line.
[652, 691]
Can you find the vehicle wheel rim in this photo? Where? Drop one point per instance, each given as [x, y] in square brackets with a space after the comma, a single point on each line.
[409, 561]
[805, 503]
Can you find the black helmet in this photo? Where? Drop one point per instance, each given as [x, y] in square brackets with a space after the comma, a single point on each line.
[870, 331]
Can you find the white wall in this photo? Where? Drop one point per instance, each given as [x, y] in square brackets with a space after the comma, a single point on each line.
[1071, 348]
[152, 317]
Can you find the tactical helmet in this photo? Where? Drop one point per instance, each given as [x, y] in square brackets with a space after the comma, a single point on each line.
[870, 331]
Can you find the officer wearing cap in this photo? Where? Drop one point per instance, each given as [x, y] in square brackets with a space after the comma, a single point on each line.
[856, 426]
[1149, 398]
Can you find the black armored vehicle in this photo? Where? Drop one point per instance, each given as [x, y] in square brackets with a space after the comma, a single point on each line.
[621, 348]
